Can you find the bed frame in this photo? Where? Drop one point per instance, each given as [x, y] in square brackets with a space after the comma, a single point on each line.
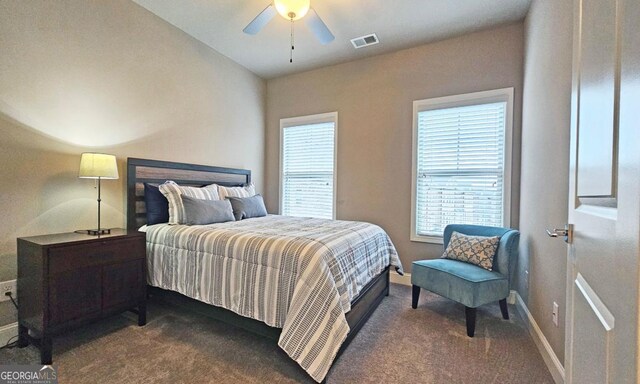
[140, 171]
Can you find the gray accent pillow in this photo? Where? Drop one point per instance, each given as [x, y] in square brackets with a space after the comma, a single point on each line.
[201, 212]
[247, 207]
[174, 192]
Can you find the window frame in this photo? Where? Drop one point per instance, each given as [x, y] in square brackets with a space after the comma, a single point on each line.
[474, 98]
[329, 117]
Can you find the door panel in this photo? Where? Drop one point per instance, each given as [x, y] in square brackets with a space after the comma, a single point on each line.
[597, 77]
[592, 338]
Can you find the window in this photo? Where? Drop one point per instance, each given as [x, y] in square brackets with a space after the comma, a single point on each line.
[307, 165]
[461, 162]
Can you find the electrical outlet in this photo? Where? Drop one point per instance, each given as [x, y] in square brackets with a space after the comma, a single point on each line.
[8, 286]
[555, 313]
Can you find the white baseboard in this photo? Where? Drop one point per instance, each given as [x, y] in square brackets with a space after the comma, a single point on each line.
[8, 332]
[404, 280]
[549, 357]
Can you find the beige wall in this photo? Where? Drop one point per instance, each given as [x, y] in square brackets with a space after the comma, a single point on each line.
[108, 76]
[545, 162]
[373, 98]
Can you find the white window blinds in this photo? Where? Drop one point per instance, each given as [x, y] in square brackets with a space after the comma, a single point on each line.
[308, 170]
[460, 163]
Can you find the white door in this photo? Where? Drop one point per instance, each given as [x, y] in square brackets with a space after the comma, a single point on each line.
[604, 194]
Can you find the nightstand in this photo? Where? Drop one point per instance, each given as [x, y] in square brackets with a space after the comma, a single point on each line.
[69, 279]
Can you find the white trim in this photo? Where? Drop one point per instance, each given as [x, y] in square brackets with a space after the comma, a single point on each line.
[403, 280]
[503, 94]
[7, 332]
[311, 119]
[549, 357]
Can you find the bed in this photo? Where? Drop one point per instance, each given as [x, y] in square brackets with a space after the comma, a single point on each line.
[308, 283]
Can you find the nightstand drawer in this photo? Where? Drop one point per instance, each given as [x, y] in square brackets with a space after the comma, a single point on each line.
[72, 257]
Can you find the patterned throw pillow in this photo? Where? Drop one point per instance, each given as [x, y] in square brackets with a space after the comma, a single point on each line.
[478, 250]
[245, 191]
[173, 192]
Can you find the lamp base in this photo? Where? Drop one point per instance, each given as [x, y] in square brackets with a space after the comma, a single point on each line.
[95, 232]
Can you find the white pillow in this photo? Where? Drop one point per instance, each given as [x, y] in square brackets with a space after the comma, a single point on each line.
[173, 192]
[248, 190]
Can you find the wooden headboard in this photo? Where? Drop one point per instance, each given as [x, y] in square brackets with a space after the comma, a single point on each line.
[140, 171]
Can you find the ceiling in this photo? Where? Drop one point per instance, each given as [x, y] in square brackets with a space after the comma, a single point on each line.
[398, 24]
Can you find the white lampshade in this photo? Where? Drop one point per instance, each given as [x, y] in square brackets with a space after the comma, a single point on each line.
[98, 165]
[287, 8]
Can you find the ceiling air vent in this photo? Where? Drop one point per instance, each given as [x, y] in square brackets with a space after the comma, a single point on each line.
[365, 41]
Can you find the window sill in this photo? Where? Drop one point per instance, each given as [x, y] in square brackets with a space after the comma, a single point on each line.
[427, 239]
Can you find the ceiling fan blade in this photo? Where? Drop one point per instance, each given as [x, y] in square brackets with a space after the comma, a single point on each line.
[318, 27]
[260, 21]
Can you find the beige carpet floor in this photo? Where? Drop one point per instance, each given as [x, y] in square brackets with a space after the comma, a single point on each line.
[397, 345]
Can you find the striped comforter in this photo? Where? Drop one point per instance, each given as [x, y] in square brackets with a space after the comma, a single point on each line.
[298, 274]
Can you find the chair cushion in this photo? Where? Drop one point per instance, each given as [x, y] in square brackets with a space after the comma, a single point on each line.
[465, 283]
[477, 250]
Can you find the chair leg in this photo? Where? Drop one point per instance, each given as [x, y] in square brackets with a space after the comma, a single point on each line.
[415, 296]
[504, 309]
[470, 314]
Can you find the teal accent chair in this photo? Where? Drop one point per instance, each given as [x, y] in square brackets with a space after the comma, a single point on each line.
[466, 283]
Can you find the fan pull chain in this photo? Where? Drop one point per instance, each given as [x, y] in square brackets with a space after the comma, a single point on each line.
[292, 47]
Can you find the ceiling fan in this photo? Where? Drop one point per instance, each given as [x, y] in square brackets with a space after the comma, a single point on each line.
[292, 10]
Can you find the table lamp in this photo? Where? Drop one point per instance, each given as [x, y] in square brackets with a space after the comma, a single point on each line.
[98, 166]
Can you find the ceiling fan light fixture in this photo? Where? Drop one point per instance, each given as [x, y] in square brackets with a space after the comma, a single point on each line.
[292, 9]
